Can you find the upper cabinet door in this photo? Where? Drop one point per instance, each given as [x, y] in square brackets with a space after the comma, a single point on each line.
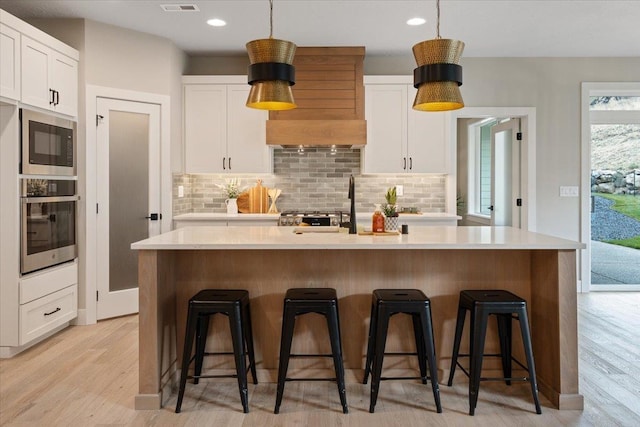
[400, 139]
[386, 115]
[10, 63]
[205, 128]
[36, 90]
[64, 78]
[247, 151]
[49, 78]
[427, 142]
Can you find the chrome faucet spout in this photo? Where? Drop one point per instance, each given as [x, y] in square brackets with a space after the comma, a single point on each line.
[352, 214]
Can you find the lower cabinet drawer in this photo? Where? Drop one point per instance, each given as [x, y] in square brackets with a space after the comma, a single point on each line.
[44, 314]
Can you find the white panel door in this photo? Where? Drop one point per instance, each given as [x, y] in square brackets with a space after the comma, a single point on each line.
[205, 128]
[505, 177]
[386, 114]
[64, 80]
[35, 74]
[10, 63]
[427, 144]
[128, 196]
[247, 150]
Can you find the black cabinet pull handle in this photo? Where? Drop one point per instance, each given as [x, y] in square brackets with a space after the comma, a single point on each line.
[404, 160]
[52, 98]
[410, 163]
[229, 163]
[54, 311]
[57, 97]
[223, 163]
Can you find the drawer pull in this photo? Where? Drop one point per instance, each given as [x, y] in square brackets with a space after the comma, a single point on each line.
[54, 311]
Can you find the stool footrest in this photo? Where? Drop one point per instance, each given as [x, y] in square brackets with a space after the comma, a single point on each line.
[311, 355]
[310, 379]
[221, 353]
[403, 378]
[505, 379]
[401, 354]
[193, 377]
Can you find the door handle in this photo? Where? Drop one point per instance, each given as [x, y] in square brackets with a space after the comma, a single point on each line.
[52, 97]
[229, 163]
[57, 97]
[224, 163]
[404, 164]
[491, 208]
[154, 216]
[410, 163]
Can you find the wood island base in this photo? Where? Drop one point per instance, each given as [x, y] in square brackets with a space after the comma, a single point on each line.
[546, 278]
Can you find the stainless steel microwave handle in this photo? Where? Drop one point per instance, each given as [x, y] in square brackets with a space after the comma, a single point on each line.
[50, 199]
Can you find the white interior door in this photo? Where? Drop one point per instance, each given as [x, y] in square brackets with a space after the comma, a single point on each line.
[128, 198]
[505, 179]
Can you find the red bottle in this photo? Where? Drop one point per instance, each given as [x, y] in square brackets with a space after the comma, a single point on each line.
[377, 222]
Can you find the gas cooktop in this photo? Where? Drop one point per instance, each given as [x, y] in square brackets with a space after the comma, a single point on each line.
[314, 218]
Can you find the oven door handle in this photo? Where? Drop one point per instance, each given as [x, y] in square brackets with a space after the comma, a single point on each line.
[26, 200]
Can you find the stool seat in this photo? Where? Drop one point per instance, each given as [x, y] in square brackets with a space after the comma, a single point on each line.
[234, 304]
[504, 305]
[300, 301]
[384, 304]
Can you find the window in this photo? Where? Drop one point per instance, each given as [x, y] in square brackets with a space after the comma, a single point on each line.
[480, 167]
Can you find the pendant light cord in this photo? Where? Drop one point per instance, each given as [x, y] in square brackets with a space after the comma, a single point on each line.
[438, 20]
[270, 19]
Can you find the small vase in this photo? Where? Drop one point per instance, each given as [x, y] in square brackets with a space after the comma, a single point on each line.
[391, 223]
[232, 206]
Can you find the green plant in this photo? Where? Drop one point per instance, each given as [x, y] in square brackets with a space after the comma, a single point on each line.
[390, 208]
[231, 188]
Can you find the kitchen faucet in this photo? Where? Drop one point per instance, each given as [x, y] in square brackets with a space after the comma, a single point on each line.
[352, 214]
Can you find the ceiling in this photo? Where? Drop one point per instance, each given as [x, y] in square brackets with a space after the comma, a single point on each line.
[498, 28]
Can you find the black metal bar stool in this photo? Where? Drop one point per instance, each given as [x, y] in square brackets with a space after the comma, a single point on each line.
[384, 304]
[235, 305]
[298, 301]
[504, 305]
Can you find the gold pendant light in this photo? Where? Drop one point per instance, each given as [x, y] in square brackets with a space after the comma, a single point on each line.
[438, 75]
[271, 73]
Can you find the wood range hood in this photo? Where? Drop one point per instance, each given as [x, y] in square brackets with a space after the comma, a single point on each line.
[329, 92]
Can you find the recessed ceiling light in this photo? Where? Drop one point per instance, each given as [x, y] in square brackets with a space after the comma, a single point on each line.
[215, 22]
[416, 21]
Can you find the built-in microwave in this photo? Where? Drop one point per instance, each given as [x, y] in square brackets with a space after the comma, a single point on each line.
[48, 144]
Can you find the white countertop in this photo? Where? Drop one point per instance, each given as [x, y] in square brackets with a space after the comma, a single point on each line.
[419, 237]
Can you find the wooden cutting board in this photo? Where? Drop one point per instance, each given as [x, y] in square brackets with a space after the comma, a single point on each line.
[258, 198]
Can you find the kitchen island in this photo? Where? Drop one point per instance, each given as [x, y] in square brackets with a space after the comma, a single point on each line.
[439, 260]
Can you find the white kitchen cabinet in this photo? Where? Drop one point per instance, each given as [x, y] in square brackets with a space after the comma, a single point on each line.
[400, 139]
[222, 135]
[10, 63]
[49, 78]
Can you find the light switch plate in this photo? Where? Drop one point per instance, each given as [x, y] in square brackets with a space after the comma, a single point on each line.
[399, 190]
[569, 191]
[180, 191]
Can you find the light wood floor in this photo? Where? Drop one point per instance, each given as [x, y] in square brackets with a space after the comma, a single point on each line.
[88, 375]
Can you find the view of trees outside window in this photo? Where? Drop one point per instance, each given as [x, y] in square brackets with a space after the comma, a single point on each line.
[615, 178]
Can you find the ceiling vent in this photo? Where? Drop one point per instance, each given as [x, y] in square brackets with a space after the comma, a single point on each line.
[329, 91]
[180, 8]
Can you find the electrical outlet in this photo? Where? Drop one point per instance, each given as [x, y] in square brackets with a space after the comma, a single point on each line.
[399, 190]
[569, 191]
[180, 190]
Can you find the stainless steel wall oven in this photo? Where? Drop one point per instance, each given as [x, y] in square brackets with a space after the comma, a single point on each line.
[48, 223]
[48, 144]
